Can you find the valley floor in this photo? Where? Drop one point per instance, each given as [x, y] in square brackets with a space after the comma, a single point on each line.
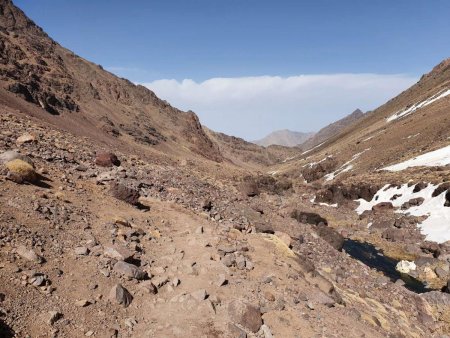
[199, 258]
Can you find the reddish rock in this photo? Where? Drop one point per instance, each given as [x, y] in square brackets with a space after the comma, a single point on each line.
[382, 206]
[125, 193]
[105, 159]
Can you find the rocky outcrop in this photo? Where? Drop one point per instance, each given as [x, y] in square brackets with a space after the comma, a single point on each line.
[318, 170]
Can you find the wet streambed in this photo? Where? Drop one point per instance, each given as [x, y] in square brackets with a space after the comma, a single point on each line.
[373, 258]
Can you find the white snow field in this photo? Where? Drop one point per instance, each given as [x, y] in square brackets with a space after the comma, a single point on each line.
[417, 106]
[436, 227]
[436, 158]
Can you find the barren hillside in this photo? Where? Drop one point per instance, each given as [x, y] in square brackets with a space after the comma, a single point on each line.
[121, 216]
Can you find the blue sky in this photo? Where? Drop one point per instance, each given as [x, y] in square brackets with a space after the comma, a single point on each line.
[157, 42]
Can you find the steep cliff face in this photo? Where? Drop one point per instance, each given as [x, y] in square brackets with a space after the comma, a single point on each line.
[78, 95]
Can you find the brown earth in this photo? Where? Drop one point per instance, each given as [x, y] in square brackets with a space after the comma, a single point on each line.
[192, 234]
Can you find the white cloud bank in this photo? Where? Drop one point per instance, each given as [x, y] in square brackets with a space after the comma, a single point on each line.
[251, 107]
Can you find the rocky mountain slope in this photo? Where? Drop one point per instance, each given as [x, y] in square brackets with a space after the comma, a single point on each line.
[168, 229]
[40, 77]
[287, 138]
[331, 130]
[249, 155]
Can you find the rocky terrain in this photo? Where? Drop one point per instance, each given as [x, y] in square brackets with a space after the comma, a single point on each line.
[287, 138]
[121, 216]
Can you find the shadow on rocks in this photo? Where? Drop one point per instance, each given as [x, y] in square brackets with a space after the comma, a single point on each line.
[6, 331]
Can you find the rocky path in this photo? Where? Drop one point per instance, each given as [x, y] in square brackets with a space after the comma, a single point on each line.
[143, 250]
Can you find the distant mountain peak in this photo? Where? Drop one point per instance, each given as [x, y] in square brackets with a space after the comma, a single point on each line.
[284, 137]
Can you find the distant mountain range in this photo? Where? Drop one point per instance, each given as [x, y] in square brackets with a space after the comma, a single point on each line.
[284, 137]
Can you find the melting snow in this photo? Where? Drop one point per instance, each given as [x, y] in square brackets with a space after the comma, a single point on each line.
[414, 107]
[312, 164]
[347, 166]
[412, 136]
[436, 158]
[313, 200]
[436, 227]
[309, 150]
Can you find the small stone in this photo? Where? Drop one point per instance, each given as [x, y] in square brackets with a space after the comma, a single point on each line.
[81, 251]
[149, 287]
[37, 280]
[82, 303]
[25, 138]
[199, 230]
[53, 317]
[89, 333]
[240, 262]
[28, 254]
[199, 295]
[222, 280]
[405, 266]
[105, 272]
[266, 331]
[310, 305]
[130, 322]
[129, 270]
[120, 295]
[122, 221]
[159, 281]
[228, 260]
[118, 252]
[269, 296]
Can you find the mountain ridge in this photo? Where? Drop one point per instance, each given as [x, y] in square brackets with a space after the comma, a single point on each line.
[284, 137]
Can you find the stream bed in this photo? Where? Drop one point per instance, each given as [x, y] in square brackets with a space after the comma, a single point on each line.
[374, 258]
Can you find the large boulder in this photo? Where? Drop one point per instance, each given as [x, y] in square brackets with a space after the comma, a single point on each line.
[331, 236]
[106, 159]
[20, 171]
[382, 206]
[308, 217]
[245, 314]
[124, 193]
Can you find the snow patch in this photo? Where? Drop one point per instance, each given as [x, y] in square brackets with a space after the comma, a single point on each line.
[309, 150]
[417, 106]
[436, 227]
[436, 158]
[313, 200]
[412, 136]
[312, 164]
[347, 166]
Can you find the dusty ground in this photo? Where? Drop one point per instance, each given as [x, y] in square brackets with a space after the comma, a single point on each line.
[198, 259]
